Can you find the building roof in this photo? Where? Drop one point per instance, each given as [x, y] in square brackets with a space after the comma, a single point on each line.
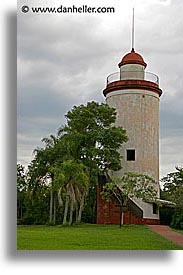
[132, 58]
[162, 202]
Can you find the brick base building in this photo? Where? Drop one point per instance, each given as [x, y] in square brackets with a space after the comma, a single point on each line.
[109, 212]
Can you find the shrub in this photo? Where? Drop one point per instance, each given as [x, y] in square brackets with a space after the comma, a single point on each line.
[166, 215]
[177, 221]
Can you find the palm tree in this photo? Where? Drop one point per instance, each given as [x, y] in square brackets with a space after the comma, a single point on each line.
[71, 179]
[46, 158]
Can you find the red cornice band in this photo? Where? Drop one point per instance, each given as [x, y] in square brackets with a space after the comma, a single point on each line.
[132, 84]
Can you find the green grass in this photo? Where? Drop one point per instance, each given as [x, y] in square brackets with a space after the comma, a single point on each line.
[91, 237]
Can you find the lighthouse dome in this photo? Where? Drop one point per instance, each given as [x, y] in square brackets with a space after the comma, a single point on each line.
[132, 58]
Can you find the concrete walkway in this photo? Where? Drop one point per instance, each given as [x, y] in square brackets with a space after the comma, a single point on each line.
[168, 233]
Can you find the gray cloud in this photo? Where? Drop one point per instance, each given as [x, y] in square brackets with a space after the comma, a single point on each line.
[63, 60]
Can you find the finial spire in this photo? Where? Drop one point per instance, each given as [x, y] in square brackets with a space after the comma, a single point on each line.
[133, 31]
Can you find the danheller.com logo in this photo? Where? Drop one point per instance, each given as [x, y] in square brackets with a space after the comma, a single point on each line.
[72, 9]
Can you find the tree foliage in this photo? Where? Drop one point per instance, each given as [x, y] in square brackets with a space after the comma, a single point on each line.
[21, 178]
[173, 186]
[173, 191]
[64, 171]
[71, 180]
[21, 190]
[130, 186]
[92, 136]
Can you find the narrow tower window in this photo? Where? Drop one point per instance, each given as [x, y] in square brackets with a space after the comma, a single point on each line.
[130, 155]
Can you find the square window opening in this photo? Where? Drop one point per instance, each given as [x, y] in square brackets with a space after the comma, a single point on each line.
[131, 155]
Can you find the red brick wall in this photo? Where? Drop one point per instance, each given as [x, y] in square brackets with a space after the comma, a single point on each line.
[108, 213]
[129, 218]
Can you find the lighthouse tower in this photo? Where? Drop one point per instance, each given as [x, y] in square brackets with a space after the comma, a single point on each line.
[135, 93]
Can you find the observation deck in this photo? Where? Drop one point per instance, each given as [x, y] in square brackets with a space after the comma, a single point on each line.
[132, 80]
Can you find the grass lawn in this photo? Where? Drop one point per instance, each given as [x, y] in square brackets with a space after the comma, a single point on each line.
[91, 237]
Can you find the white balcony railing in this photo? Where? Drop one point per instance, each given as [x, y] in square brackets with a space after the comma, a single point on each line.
[125, 75]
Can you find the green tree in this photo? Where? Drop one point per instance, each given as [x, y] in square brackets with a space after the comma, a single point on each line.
[72, 180]
[21, 190]
[37, 203]
[51, 155]
[173, 186]
[85, 147]
[130, 186]
[92, 136]
[173, 191]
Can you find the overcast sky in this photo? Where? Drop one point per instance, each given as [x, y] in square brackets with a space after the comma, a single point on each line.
[64, 59]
